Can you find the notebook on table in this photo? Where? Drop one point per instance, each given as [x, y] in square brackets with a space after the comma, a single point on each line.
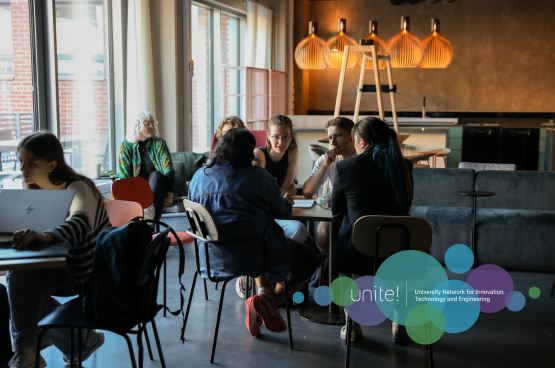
[303, 203]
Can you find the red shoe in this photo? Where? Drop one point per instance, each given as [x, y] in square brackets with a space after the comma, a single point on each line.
[267, 308]
[254, 320]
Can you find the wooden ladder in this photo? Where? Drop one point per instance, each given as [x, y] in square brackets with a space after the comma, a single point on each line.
[368, 51]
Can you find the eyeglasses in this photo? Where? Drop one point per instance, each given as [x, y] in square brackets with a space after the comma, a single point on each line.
[285, 138]
[148, 124]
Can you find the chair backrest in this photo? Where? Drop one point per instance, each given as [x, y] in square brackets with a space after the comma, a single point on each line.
[394, 234]
[121, 212]
[134, 190]
[476, 166]
[316, 151]
[204, 216]
[260, 136]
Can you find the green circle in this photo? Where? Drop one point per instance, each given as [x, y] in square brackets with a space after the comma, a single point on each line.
[534, 292]
[344, 291]
[425, 324]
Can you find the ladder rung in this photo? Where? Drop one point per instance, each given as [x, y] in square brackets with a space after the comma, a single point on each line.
[372, 88]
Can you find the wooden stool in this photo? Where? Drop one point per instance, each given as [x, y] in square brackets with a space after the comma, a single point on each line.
[440, 152]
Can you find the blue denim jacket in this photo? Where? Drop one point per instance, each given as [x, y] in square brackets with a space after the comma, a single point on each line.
[243, 206]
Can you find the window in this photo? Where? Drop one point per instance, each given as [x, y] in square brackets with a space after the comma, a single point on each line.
[83, 86]
[217, 40]
[16, 85]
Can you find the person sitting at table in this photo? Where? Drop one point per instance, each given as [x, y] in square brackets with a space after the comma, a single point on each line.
[342, 147]
[231, 122]
[30, 291]
[378, 181]
[145, 154]
[244, 201]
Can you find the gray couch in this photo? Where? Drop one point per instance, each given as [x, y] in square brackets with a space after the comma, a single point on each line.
[516, 227]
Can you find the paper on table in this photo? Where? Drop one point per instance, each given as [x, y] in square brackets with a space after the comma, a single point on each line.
[303, 203]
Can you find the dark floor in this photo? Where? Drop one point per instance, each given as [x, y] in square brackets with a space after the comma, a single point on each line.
[503, 339]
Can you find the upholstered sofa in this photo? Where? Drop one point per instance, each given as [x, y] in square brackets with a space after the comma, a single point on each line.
[186, 165]
[515, 228]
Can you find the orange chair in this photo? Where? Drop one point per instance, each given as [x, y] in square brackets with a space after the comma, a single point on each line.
[121, 212]
[138, 190]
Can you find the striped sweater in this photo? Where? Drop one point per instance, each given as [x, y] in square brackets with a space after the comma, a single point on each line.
[87, 218]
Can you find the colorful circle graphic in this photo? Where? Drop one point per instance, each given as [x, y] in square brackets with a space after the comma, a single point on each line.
[298, 297]
[323, 295]
[515, 301]
[492, 283]
[459, 258]
[425, 324]
[364, 310]
[458, 303]
[534, 292]
[344, 291]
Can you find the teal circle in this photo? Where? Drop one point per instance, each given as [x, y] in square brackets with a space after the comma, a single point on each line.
[534, 292]
[298, 297]
[459, 258]
[515, 301]
[459, 304]
[410, 274]
[323, 296]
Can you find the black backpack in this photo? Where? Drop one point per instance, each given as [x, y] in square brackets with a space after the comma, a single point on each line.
[120, 291]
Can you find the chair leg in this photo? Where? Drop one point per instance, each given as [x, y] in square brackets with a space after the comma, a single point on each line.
[287, 306]
[205, 290]
[218, 323]
[148, 344]
[158, 345]
[79, 355]
[348, 340]
[140, 346]
[553, 288]
[71, 349]
[321, 270]
[247, 294]
[164, 290]
[182, 337]
[216, 287]
[130, 347]
[431, 355]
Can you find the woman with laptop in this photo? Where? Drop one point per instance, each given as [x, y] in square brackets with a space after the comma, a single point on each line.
[30, 291]
[145, 154]
[377, 181]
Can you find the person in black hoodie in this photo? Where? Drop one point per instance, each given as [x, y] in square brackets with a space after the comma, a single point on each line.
[378, 181]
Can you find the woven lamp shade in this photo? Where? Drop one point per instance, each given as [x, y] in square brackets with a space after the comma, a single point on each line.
[333, 50]
[438, 51]
[380, 43]
[309, 53]
[405, 49]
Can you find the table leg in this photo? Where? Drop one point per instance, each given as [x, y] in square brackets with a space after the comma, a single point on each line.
[474, 232]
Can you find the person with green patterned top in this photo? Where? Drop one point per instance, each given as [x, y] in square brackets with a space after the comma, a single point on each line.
[145, 154]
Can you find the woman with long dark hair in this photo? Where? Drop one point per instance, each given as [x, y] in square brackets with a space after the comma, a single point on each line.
[30, 291]
[378, 181]
[244, 201]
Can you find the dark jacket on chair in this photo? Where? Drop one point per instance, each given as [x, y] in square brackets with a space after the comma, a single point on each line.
[360, 189]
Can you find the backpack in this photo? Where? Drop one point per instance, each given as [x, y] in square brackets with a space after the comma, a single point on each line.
[119, 290]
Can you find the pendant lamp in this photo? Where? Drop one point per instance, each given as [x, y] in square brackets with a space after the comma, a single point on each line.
[438, 51]
[380, 43]
[405, 49]
[309, 53]
[333, 50]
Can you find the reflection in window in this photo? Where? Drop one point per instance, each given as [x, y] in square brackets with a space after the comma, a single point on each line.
[6, 42]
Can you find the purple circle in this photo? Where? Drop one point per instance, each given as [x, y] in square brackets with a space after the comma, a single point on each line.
[364, 310]
[492, 284]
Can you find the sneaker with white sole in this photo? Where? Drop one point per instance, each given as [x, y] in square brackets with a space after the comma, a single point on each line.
[240, 286]
[94, 341]
[25, 359]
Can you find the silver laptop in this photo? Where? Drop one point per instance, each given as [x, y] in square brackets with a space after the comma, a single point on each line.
[38, 210]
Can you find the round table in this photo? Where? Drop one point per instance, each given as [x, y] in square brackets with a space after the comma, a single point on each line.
[475, 194]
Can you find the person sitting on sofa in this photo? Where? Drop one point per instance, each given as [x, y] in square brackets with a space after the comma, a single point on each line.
[231, 122]
[342, 147]
[145, 154]
[378, 181]
[244, 201]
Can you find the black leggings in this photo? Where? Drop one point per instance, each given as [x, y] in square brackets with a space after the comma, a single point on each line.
[304, 261]
[5, 338]
[158, 184]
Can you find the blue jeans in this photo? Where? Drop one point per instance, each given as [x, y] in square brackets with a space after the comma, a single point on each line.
[294, 230]
[30, 295]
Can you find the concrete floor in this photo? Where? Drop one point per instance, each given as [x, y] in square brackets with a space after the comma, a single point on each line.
[503, 339]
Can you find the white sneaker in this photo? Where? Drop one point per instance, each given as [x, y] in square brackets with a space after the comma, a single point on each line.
[25, 359]
[149, 213]
[240, 287]
[94, 341]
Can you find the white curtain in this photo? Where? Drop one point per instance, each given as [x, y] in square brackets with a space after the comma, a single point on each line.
[258, 48]
[140, 71]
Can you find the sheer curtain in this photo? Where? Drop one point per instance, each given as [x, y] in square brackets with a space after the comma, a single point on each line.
[258, 48]
[140, 71]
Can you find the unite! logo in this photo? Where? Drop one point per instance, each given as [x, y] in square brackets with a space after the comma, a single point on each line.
[29, 209]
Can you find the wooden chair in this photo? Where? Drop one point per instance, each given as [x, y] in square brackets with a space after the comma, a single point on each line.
[315, 152]
[440, 152]
[383, 236]
[415, 159]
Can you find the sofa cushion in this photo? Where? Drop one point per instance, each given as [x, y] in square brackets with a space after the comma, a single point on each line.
[439, 187]
[186, 165]
[450, 226]
[517, 239]
[517, 190]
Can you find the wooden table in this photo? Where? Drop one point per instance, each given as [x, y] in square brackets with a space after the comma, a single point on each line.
[313, 312]
[11, 262]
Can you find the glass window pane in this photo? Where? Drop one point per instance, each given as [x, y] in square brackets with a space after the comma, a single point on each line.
[202, 79]
[81, 40]
[16, 87]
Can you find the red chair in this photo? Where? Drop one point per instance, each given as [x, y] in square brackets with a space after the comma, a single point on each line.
[138, 190]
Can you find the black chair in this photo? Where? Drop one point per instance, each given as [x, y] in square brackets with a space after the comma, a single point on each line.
[70, 315]
[204, 229]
